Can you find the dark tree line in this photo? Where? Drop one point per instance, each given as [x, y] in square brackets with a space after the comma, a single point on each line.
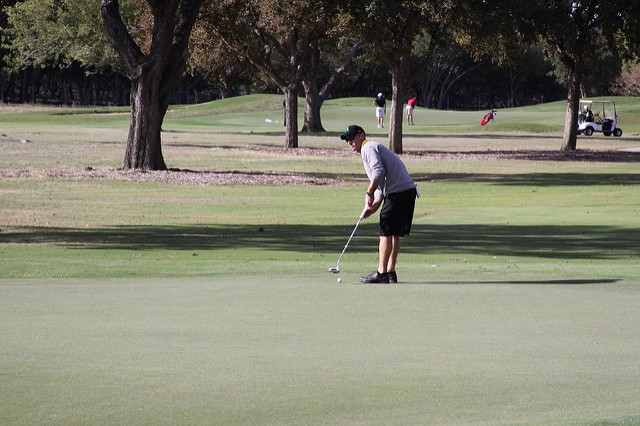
[452, 80]
[460, 84]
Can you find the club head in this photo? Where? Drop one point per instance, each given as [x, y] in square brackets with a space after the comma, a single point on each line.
[334, 270]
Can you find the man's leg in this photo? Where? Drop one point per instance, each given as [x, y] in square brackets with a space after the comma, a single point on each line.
[384, 252]
[393, 257]
[388, 253]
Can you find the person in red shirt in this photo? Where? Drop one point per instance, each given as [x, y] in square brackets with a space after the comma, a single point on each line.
[410, 105]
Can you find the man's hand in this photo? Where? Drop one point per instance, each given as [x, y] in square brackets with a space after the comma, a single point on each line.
[371, 205]
[368, 199]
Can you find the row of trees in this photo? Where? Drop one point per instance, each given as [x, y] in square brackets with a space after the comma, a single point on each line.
[32, 72]
[310, 47]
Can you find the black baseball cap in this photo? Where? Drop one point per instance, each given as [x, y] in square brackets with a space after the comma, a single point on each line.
[351, 132]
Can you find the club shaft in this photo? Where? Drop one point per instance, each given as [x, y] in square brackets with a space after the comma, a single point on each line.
[349, 240]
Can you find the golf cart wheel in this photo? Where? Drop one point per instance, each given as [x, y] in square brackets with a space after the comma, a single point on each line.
[606, 133]
[617, 132]
[588, 131]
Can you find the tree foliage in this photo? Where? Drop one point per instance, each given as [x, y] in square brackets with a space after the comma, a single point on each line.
[572, 29]
[278, 38]
[574, 32]
[55, 33]
[628, 82]
[393, 28]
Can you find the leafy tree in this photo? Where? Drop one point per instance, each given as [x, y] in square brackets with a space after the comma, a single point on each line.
[316, 95]
[529, 63]
[600, 70]
[271, 35]
[153, 72]
[280, 38]
[58, 42]
[44, 33]
[4, 5]
[366, 76]
[572, 31]
[628, 83]
[394, 27]
[629, 39]
[219, 65]
[448, 65]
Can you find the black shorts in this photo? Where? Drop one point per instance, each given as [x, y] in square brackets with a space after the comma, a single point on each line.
[396, 215]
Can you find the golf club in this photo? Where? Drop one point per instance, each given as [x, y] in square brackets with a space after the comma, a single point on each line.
[337, 268]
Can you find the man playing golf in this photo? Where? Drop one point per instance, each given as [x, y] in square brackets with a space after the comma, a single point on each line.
[390, 186]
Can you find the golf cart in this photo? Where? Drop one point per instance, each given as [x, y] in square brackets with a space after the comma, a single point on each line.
[598, 116]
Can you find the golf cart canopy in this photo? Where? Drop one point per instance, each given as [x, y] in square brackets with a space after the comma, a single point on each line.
[605, 109]
[598, 116]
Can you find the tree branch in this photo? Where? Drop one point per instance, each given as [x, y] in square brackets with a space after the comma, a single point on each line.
[328, 86]
[123, 42]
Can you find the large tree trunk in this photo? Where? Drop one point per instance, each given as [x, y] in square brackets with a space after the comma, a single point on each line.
[570, 134]
[396, 117]
[144, 148]
[313, 104]
[395, 125]
[313, 101]
[291, 115]
[153, 74]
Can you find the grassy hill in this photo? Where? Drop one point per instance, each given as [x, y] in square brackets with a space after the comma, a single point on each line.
[264, 114]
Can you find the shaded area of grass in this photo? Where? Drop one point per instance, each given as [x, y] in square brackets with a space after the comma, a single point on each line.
[541, 241]
[583, 155]
[537, 179]
[578, 281]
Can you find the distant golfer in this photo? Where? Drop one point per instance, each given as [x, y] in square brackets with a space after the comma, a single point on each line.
[389, 182]
[410, 106]
[381, 104]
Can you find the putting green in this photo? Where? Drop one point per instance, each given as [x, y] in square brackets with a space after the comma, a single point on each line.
[304, 349]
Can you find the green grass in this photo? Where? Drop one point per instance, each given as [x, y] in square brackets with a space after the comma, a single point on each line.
[247, 114]
[100, 229]
[155, 303]
[300, 349]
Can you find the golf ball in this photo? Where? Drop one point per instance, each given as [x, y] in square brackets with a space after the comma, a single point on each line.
[340, 279]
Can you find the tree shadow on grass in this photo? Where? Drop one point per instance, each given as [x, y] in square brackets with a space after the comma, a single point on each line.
[582, 156]
[540, 180]
[586, 281]
[542, 241]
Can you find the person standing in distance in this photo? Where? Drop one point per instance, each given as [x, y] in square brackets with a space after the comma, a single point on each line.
[391, 187]
[381, 103]
[410, 106]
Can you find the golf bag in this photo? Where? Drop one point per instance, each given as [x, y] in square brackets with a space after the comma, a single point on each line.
[490, 116]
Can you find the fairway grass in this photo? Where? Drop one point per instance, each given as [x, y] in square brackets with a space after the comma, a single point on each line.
[172, 298]
[302, 349]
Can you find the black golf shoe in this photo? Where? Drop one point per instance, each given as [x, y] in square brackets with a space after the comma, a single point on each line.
[376, 278]
[393, 277]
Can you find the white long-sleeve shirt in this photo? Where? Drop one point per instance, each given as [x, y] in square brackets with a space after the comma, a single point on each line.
[385, 169]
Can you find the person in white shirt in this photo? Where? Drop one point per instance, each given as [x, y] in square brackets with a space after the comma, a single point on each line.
[381, 104]
[391, 187]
